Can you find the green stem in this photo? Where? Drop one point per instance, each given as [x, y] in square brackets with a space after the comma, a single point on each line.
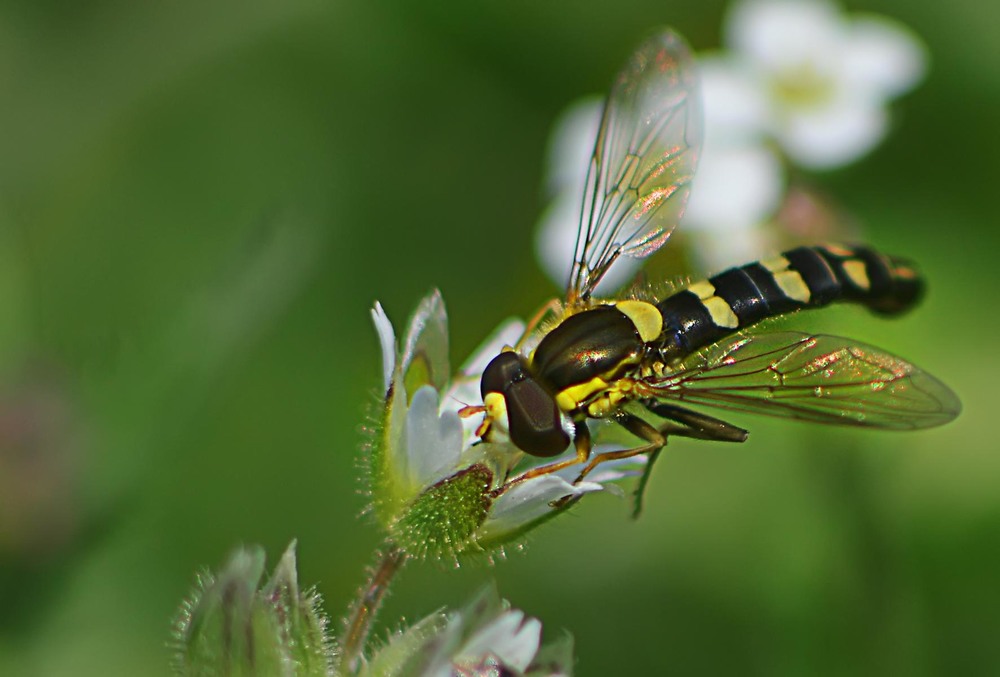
[362, 613]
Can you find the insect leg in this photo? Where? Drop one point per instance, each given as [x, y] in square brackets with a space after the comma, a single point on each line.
[640, 487]
[638, 427]
[583, 444]
[695, 425]
[691, 424]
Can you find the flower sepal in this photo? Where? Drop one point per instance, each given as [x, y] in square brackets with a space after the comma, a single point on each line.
[230, 625]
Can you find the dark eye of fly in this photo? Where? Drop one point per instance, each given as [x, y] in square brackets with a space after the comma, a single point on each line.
[533, 418]
[502, 371]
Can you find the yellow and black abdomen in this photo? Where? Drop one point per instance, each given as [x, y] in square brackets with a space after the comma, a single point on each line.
[805, 277]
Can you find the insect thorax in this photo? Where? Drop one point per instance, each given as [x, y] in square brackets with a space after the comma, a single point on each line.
[581, 359]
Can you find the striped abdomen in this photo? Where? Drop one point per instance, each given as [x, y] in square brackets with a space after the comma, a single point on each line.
[806, 277]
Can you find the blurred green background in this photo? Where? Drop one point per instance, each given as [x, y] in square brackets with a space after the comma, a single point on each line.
[199, 203]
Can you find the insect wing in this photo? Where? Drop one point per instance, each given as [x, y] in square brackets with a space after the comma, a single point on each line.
[822, 379]
[643, 162]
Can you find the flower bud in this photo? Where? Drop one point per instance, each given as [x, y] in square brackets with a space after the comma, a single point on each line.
[231, 626]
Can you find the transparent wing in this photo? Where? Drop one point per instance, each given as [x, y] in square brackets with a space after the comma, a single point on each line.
[644, 159]
[823, 379]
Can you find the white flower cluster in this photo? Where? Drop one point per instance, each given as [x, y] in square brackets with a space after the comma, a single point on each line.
[799, 82]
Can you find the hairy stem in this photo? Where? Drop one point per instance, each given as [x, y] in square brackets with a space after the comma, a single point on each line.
[362, 613]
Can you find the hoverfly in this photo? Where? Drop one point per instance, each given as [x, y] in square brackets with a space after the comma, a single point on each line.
[621, 360]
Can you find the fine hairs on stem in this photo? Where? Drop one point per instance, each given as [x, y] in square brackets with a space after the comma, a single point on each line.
[361, 614]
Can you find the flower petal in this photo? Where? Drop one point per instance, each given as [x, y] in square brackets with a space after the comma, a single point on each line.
[434, 443]
[718, 250]
[779, 35]
[512, 638]
[736, 188]
[883, 57]
[387, 340]
[736, 109]
[557, 235]
[425, 350]
[822, 138]
[611, 471]
[524, 503]
[572, 144]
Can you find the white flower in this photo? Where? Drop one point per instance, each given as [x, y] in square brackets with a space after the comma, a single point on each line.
[423, 452]
[827, 76]
[485, 637]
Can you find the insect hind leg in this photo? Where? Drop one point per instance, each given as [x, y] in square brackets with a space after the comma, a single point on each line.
[655, 441]
[693, 424]
[684, 423]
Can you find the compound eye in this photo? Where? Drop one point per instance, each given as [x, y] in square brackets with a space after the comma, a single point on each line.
[503, 370]
[533, 420]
